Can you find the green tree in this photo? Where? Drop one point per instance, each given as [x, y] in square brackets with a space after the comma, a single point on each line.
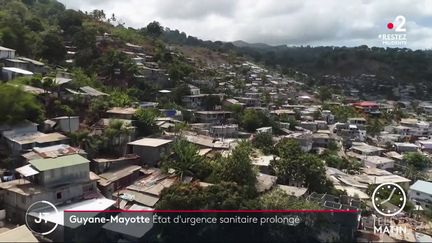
[80, 79]
[145, 121]
[278, 200]
[70, 21]
[417, 160]
[97, 109]
[17, 106]
[235, 109]
[67, 111]
[116, 137]
[288, 148]
[47, 84]
[117, 67]
[375, 127]
[220, 196]
[179, 91]
[210, 102]
[250, 121]
[121, 99]
[297, 167]
[182, 197]
[324, 93]
[186, 160]
[53, 48]
[154, 29]
[264, 141]
[98, 14]
[237, 167]
[333, 160]
[83, 140]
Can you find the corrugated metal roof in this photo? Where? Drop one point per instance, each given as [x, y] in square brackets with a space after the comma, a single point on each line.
[150, 142]
[54, 163]
[27, 170]
[19, 234]
[92, 92]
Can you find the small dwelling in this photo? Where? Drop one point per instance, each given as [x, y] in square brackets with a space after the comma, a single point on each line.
[67, 123]
[6, 53]
[9, 73]
[405, 147]
[420, 194]
[150, 150]
[378, 162]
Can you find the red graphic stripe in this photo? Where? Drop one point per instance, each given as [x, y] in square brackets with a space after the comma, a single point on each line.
[215, 211]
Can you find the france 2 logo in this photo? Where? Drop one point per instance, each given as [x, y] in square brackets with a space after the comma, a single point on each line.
[398, 24]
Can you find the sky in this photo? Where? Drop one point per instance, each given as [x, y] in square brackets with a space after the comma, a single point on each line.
[278, 22]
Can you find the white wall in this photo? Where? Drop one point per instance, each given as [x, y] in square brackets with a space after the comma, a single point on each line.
[425, 200]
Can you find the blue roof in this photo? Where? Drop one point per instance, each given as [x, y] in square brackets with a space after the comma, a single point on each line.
[422, 186]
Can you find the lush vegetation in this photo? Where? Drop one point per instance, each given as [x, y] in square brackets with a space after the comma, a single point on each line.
[299, 168]
[17, 106]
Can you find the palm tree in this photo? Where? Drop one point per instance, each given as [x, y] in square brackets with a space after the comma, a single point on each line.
[117, 136]
[186, 158]
[68, 112]
[83, 140]
[179, 128]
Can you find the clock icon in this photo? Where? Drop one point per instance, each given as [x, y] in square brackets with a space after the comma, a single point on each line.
[389, 199]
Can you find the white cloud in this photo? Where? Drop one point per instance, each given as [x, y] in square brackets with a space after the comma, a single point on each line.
[300, 22]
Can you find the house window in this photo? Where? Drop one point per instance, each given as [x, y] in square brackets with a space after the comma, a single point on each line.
[417, 193]
[59, 195]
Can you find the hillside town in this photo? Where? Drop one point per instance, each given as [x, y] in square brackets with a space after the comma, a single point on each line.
[230, 122]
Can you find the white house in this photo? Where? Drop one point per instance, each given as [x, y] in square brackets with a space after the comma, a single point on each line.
[194, 90]
[6, 53]
[67, 123]
[378, 162]
[10, 73]
[420, 194]
[405, 147]
[425, 145]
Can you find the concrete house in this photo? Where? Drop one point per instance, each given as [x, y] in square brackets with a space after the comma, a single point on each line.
[16, 63]
[304, 139]
[194, 101]
[67, 123]
[121, 113]
[321, 139]
[150, 150]
[214, 117]
[360, 122]
[33, 65]
[420, 194]
[57, 180]
[9, 73]
[424, 145]
[52, 152]
[6, 53]
[226, 131]
[194, 90]
[378, 162]
[405, 147]
[311, 126]
[25, 136]
[283, 113]
[367, 150]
